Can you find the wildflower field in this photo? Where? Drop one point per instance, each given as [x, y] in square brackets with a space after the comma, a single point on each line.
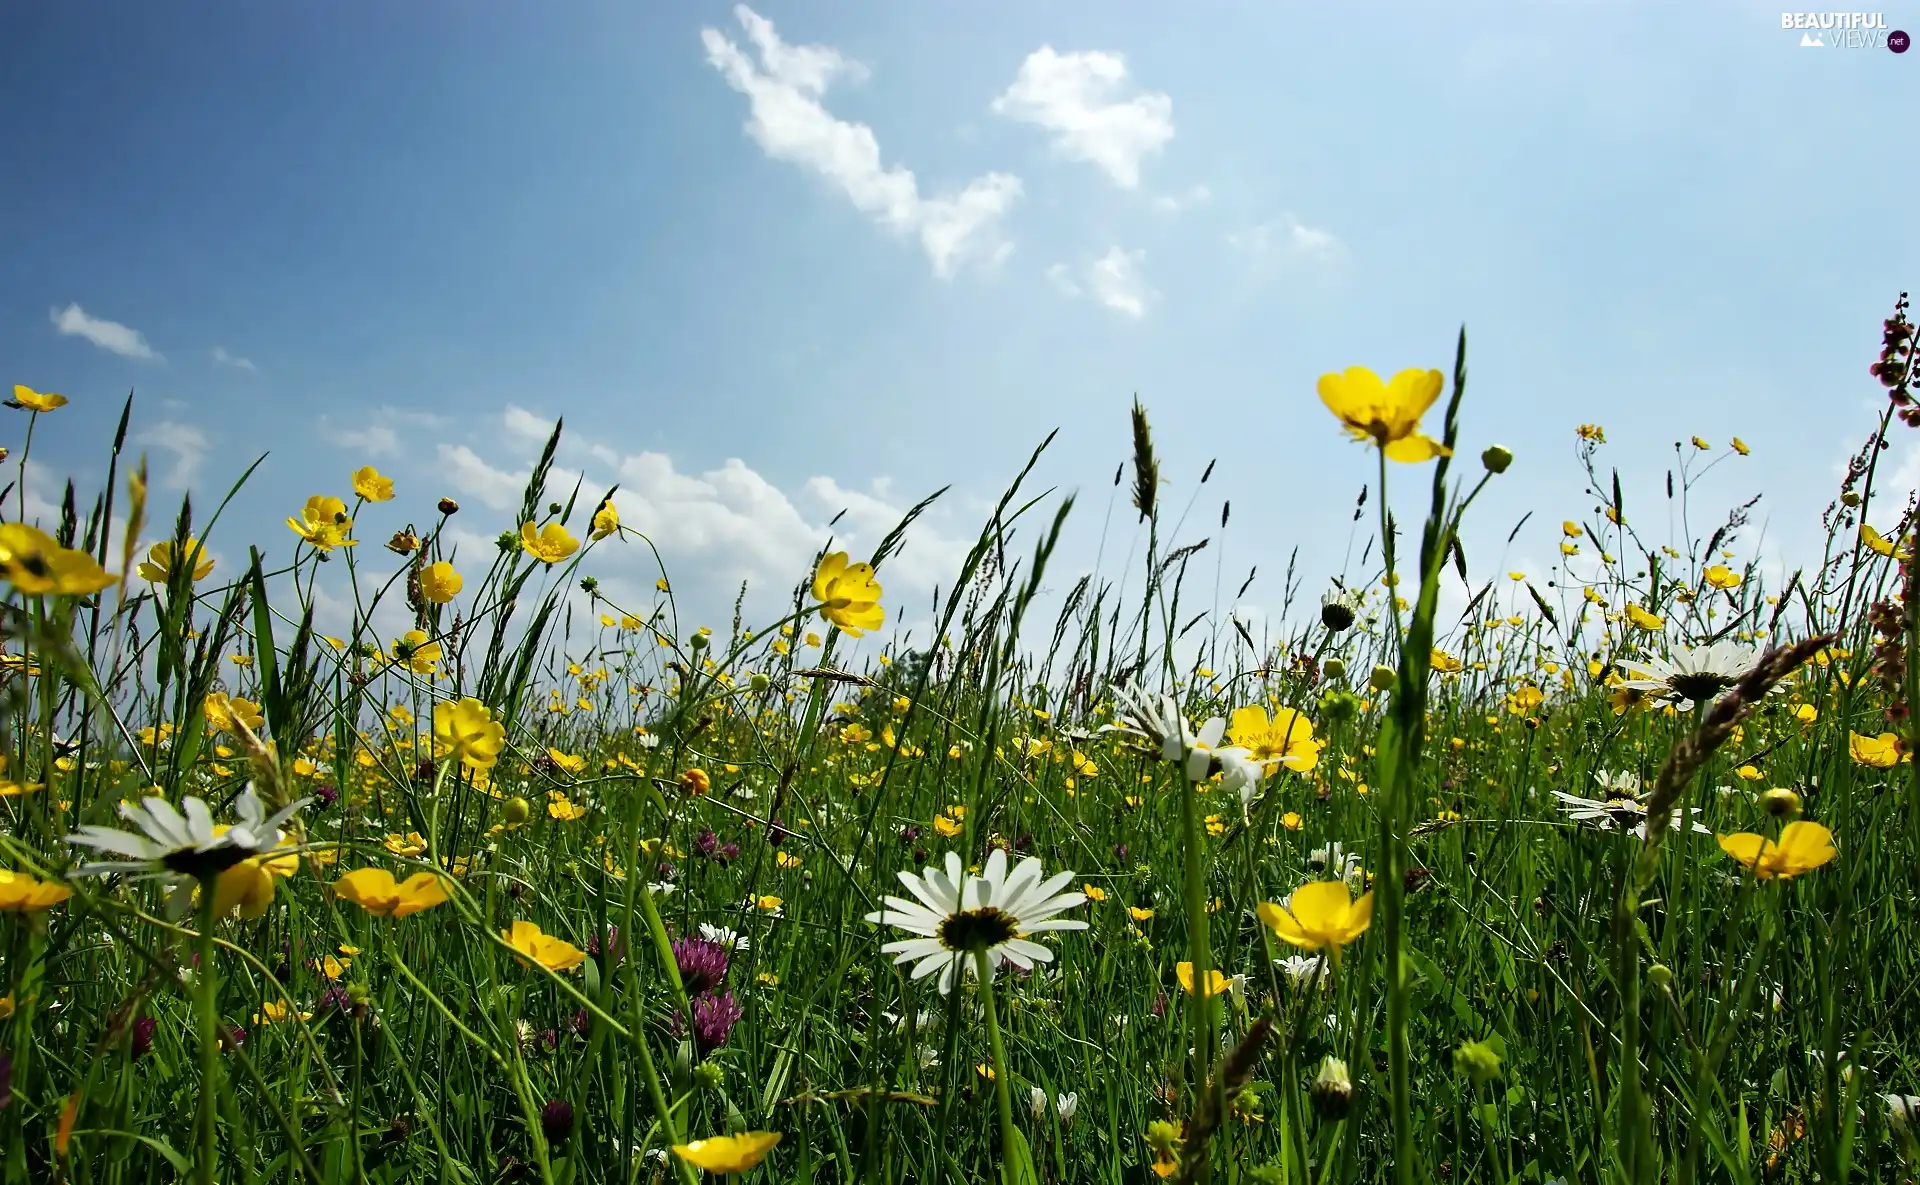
[1607, 874]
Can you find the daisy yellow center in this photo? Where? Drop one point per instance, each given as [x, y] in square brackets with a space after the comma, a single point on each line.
[977, 929]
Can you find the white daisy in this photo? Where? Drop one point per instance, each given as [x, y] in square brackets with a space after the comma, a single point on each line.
[957, 914]
[726, 938]
[183, 845]
[1629, 813]
[1692, 675]
[1158, 720]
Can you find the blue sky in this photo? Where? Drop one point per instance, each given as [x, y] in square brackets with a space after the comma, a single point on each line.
[411, 235]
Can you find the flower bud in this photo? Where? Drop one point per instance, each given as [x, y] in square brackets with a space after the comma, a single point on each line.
[1850, 499]
[708, 1076]
[1383, 678]
[556, 1120]
[759, 682]
[516, 811]
[1496, 458]
[1331, 1089]
[1478, 1061]
[1661, 976]
[1333, 668]
[449, 506]
[698, 641]
[1781, 803]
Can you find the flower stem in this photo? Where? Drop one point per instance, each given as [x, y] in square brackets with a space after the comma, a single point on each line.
[1197, 946]
[1002, 1085]
[206, 992]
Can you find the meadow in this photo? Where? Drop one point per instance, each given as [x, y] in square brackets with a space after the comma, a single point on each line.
[1609, 876]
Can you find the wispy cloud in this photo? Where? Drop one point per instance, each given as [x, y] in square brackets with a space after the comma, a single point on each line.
[1115, 280]
[1174, 203]
[379, 433]
[111, 336]
[1076, 96]
[184, 442]
[1286, 237]
[221, 357]
[784, 88]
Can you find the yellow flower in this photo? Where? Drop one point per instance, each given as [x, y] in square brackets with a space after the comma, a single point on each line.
[1291, 820]
[728, 1154]
[1386, 413]
[275, 1011]
[1721, 576]
[1139, 914]
[555, 954]
[33, 563]
[549, 544]
[1881, 752]
[1094, 892]
[1571, 529]
[1749, 773]
[21, 893]
[1806, 713]
[369, 484]
[695, 781]
[157, 568]
[33, 400]
[1803, 847]
[1443, 662]
[1701, 444]
[411, 844]
[468, 731]
[247, 887]
[374, 890]
[768, 903]
[226, 713]
[1321, 915]
[947, 828]
[1285, 739]
[566, 810]
[417, 652]
[1651, 622]
[1878, 543]
[606, 520]
[849, 596]
[439, 583]
[1740, 446]
[323, 523]
[1215, 985]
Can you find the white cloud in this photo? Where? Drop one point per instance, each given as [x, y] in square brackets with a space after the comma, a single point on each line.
[1076, 97]
[111, 336]
[186, 443]
[222, 358]
[1117, 283]
[471, 475]
[525, 425]
[1287, 237]
[1114, 280]
[378, 433]
[1174, 203]
[789, 123]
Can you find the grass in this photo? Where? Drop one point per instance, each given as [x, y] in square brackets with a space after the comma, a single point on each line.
[1539, 996]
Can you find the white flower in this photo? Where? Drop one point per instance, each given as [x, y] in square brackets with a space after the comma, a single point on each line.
[956, 914]
[1333, 859]
[1610, 813]
[1158, 720]
[1304, 970]
[728, 939]
[183, 845]
[1692, 675]
[1066, 1106]
[1037, 1103]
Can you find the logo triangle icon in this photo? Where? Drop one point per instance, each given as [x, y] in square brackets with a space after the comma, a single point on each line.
[1812, 39]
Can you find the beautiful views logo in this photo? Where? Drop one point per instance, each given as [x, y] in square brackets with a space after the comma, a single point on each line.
[1845, 30]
